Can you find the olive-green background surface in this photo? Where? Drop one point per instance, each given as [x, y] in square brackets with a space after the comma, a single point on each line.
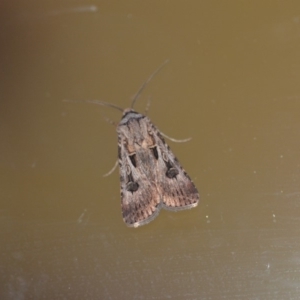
[233, 84]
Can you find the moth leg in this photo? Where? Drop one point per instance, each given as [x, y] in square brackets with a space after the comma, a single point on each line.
[112, 170]
[175, 140]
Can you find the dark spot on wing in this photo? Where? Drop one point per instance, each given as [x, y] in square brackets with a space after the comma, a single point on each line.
[133, 159]
[172, 172]
[155, 153]
[132, 186]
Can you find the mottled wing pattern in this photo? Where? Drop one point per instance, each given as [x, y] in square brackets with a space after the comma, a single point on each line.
[177, 190]
[150, 175]
[140, 201]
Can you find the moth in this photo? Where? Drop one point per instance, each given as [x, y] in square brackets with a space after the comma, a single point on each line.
[151, 177]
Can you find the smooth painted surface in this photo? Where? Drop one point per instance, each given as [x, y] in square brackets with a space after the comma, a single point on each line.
[232, 84]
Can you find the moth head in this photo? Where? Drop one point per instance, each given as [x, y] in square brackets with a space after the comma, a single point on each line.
[127, 111]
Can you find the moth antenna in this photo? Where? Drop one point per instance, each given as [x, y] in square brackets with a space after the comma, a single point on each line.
[137, 95]
[103, 103]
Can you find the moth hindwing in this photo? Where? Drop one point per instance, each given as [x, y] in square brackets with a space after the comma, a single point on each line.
[150, 175]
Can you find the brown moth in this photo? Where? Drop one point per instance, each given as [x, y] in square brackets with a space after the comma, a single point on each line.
[150, 175]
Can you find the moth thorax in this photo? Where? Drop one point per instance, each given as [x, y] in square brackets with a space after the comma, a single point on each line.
[145, 144]
[127, 110]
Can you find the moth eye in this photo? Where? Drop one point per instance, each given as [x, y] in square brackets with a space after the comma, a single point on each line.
[155, 153]
[172, 172]
[132, 186]
[133, 159]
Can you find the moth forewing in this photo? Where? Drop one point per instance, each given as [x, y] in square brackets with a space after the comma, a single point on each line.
[177, 190]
